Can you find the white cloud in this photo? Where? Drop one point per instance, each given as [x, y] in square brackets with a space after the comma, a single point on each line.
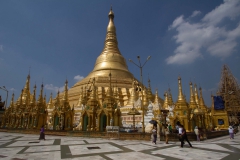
[206, 34]
[1, 48]
[78, 78]
[229, 9]
[195, 13]
[54, 88]
[177, 22]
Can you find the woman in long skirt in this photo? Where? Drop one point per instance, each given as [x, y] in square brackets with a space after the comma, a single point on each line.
[154, 132]
[42, 135]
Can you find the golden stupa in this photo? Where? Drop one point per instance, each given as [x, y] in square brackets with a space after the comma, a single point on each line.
[106, 97]
[109, 61]
[110, 78]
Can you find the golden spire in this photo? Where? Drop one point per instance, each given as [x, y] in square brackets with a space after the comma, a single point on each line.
[180, 94]
[166, 102]
[170, 100]
[145, 100]
[26, 88]
[40, 98]
[65, 96]
[201, 101]
[156, 100]
[57, 101]
[110, 58]
[33, 100]
[149, 91]
[26, 91]
[181, 102]
[193, 103]
[196, 94]
[50, 103]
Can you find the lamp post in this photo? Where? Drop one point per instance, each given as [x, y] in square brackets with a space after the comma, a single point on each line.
[140, 66]
[5, 89]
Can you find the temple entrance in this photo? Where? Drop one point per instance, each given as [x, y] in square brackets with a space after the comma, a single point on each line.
[85, 122]
[56, 122]
[103, 122]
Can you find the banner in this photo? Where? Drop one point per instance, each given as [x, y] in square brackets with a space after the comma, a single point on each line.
[218, 103]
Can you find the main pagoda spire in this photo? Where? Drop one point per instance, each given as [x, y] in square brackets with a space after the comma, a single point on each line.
[110, 58]
[111, 43]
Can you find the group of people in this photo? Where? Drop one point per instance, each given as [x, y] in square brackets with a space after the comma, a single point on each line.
[168, 129]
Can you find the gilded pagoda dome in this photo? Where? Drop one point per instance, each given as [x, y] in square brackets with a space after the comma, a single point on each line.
[109, 61]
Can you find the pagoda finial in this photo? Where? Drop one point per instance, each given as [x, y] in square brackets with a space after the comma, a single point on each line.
[40, 98]
[111, 14]
[196, 94]
[50, 103]
[33, 100]
[149, 91]
[165, 104]
[201, 100]
[180, 94]
[193, 104]
[26, 88]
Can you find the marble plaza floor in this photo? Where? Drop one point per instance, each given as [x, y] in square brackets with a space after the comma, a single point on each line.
[26, 146]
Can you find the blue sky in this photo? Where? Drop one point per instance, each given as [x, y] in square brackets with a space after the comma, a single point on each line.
[59, 40]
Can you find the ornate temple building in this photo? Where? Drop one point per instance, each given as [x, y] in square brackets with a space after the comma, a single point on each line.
[107, 96]
[226, 105]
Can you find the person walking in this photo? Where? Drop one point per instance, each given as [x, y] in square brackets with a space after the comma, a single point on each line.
[166, 134]
[231, 132]
[184, 136]
[197, 133]
[154, 133]
[42, 134]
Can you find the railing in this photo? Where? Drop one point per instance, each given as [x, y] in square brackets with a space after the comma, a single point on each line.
[112, 129]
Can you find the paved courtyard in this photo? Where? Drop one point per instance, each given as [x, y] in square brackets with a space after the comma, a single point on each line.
[26, 146]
